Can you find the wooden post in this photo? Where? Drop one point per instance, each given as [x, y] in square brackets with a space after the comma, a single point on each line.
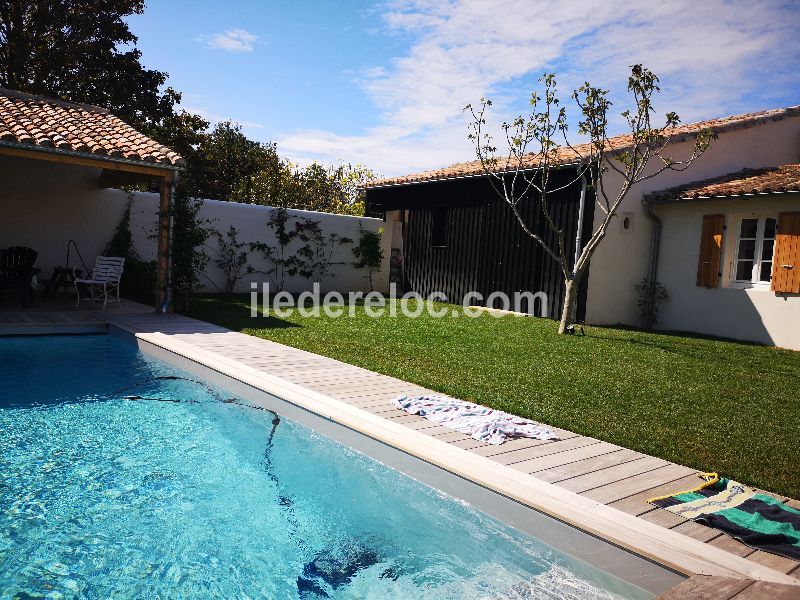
[163, 276]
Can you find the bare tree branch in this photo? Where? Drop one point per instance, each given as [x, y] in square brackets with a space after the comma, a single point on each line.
[526, 175]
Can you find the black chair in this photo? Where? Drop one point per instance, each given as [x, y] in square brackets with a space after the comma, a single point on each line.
[17, 271]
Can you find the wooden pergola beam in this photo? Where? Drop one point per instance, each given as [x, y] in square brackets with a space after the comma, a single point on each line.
[164, 301]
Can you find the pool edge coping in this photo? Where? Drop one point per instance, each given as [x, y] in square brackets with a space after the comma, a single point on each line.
[662, 546]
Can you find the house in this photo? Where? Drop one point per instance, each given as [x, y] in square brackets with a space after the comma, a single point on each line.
[57, 163]
[741, 233]
[707, 233]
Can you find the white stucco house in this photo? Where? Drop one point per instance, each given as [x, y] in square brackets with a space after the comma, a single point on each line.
[723, 237]
[730, 254]
[715, 230]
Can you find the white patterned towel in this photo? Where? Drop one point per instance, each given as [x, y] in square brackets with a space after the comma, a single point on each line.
[478, 422]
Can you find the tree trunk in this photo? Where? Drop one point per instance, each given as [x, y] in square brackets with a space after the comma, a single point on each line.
[570, 297]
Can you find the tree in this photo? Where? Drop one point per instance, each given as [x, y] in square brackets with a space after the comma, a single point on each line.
[523, 173]
[333, 189]
[139, 282]
[82, 51]
[226, 161]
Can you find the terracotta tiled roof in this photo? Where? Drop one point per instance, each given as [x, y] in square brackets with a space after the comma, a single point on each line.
[567, 155]
[60, 126]
[775, 180]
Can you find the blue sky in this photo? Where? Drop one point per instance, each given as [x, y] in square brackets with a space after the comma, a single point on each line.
[383, 83]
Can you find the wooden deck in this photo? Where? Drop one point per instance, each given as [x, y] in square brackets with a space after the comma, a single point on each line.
[593, 469]
[723, 588]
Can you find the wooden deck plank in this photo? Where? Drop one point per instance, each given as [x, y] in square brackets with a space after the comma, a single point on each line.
[345, 386]
[407, 418]
[589, 465]
[773, 561]
[389, 411]
[638, 503]
[509, 446]
[520, 444]
[763, 590]
[368, 393]
[662, 517]
[451, 436]
[727, 543]
[386, 411]
[371, 401]
[425, 425]
[541, 449]
[697, 531]
[701, 587]
[335, 376]
[468, 443]
[605, 477]
[555, 454]
[434, 431]
[636, 483]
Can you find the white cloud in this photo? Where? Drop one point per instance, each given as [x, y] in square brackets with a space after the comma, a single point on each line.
[238, 41]
[213, 118]
[710, 56]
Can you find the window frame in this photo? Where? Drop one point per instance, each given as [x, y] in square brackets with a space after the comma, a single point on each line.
[761, 220]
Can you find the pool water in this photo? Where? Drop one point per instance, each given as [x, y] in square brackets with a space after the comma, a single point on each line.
[122, 477]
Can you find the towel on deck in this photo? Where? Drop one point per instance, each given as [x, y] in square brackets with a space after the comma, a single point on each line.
[480, 423]
[755, 519]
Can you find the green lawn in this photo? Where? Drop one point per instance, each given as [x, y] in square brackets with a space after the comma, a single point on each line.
[708, 404]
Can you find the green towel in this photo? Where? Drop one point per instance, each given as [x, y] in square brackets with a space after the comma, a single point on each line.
[756, 519]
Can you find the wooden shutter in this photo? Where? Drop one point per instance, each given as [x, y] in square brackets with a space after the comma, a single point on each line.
[710, 250]
[786, 260]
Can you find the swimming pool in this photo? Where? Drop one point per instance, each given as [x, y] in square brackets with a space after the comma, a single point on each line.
[123, 476]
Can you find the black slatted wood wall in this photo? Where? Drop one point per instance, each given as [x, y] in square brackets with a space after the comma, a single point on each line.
[486, 250]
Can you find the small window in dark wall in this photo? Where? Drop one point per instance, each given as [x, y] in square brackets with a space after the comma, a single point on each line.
[439, 227]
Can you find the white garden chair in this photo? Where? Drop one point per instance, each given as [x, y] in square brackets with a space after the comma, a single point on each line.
[104, 279]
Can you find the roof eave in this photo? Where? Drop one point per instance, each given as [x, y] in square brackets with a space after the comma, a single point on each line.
[90, 156]
[458, 177]
[682, 199]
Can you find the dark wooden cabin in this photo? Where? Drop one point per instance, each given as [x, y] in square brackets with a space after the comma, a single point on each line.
[459, 236]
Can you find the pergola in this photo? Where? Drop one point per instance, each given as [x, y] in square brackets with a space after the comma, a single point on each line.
[39, 128]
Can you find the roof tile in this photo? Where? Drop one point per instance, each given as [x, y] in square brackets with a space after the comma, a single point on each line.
[49, 123]
[774, 180]
[567, 155]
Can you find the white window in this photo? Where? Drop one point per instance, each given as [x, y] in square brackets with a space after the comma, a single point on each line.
[752, 265]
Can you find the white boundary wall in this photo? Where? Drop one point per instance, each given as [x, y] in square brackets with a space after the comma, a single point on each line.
[251, 221]
[43, 205]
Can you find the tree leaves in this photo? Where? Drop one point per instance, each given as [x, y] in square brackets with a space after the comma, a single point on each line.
[82, 51]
